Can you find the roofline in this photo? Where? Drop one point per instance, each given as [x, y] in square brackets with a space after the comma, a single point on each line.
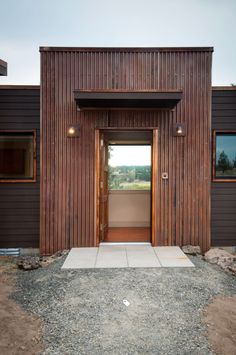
[223, 88]
[24, 87]
[3, 68]
[2, 62]
[126, 49]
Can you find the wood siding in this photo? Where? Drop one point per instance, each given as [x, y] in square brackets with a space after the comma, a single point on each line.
[67, 164]
[223, 194]
[19, 202]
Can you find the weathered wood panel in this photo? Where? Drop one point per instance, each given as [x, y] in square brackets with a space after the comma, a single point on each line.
[223, 194]
[19, 202]
[67, 164]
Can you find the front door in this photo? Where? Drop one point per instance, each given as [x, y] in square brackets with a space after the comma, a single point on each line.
[103, 184]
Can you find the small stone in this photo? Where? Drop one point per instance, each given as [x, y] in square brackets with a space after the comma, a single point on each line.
[215, 255]
[222, 258]
[232, 268]
[28, 262]
[192, 249]
[60, 253]
[47, 260]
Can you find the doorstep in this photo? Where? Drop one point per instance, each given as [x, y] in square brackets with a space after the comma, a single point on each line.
[126, 256]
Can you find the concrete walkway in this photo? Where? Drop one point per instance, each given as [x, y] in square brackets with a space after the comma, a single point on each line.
[123, 256]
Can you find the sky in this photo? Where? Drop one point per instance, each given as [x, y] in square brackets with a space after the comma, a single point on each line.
[27, 24]
[129, 155]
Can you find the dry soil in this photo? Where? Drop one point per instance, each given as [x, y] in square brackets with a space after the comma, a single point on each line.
[82, 312]
[220, 317]
[19, 331]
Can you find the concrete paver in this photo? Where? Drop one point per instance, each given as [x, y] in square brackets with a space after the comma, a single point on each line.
[123, 256]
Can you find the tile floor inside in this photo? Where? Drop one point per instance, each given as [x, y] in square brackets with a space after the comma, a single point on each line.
[123, 256]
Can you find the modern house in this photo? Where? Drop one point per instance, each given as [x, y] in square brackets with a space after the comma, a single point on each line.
[3, 68]
[92, 102]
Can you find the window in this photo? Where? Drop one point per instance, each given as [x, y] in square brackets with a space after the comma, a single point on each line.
[17, 156]
[129, 167]
[224, 161]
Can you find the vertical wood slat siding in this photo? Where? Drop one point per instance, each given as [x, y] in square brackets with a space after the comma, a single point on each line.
[223, 194]
[19, 202]
[67, 187]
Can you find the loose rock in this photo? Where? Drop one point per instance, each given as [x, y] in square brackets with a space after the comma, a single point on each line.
[47, 260]
[192, 249]
[60, 253]
[34, 262]
[28, 262]
[222, 258]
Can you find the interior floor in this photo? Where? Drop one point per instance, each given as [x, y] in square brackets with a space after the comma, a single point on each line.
[128, 234]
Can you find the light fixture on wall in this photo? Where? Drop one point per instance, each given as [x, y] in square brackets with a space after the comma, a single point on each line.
[179, 130]
[73, 130]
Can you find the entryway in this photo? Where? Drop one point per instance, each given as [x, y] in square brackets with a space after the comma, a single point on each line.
[125, 185]
[123, 256]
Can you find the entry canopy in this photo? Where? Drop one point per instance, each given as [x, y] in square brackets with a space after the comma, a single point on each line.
[116, 99]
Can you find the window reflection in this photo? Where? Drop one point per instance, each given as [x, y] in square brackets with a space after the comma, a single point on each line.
[225, 166]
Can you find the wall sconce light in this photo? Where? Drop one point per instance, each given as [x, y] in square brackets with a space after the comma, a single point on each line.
[179, 130]
[73, 130]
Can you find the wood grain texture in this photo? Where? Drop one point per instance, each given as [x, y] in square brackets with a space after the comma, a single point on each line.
[155, 224]
[128, 234]
[19, 201]
[68, 165]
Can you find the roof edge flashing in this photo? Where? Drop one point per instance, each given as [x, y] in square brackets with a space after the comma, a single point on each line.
[125, 49]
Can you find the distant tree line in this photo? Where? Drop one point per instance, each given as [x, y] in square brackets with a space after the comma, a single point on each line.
[128, 174]
[224, 163]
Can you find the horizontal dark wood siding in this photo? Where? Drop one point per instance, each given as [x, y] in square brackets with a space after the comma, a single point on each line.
[223, 194]
[19, 202]
[68, 165]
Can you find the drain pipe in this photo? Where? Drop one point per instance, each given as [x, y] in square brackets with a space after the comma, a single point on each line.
[10, 252]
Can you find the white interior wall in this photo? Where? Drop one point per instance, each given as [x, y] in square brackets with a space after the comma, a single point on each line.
[129, 208]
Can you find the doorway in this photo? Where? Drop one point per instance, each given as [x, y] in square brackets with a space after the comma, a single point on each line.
[126, 171]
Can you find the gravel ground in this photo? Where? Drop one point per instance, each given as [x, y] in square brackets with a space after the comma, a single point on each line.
[83, 310]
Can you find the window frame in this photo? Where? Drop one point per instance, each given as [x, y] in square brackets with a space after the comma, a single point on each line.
[214, 178]
[17, 180]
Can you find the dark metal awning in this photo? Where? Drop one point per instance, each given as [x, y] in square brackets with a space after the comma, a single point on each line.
[3, 68]
[90, 99]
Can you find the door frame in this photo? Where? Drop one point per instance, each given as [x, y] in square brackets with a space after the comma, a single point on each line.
[154, 180]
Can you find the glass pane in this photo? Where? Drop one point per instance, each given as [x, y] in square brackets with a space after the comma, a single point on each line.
[129, 167]
[226, 155]
[16, 156]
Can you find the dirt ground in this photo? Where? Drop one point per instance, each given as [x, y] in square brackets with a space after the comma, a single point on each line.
[82, 312]
[19, 332]
[220, 317]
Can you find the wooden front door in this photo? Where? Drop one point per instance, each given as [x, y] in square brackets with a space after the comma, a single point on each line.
[103, 184]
